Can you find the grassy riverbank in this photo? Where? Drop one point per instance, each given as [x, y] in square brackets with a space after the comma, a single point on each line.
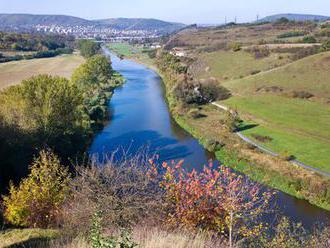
[277, 173]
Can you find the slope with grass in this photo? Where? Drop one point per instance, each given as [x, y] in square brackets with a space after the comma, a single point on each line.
[295, 126]
[12, 73]
[229, 65]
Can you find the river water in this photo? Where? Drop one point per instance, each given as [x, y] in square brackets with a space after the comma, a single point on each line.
[140, 118]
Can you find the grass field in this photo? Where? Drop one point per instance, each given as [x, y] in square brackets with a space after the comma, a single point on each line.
[12, 73]
[123, 49]
[291, 124]
[136, 53]
[229, 65]
[310, 74]
[296, 126]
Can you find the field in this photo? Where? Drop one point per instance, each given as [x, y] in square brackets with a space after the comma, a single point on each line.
[289, 122]
[229, 65]
[12, 73]
[130, 51]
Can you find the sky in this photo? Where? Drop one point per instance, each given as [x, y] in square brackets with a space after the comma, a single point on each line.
[185, 11]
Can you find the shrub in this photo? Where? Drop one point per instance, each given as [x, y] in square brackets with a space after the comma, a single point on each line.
[120, 190]
[302, 53]
[235, 46]
[254, 72]
[260, 52]
[291, 34]
[201, 92]
[37, 200]
[262, 138]
[213, 145]
[301, 94]
[309, 39]
[287, 156]
[214, 199]
[231, 121]
[326, 46]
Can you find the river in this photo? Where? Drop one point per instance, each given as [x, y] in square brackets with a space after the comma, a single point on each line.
[140, 118]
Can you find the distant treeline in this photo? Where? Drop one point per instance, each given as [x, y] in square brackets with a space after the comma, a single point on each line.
[53, 112]
[40, 46]
[37, 55]
[34, 42]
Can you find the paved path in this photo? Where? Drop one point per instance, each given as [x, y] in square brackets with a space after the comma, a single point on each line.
[270, 152]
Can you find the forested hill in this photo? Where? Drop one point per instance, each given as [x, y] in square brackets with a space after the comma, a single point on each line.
[26, 20]
[295, 17]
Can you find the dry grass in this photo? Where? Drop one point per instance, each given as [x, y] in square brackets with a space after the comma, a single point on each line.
[147, 237]
[156, 238]
[26, 237]
[12, 73]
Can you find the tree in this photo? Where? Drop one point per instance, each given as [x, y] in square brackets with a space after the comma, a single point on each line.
[88, 48]
[52, 108]
[37, 200]
[97, 70]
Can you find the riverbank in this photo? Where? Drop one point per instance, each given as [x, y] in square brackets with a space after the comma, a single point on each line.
[277, 173]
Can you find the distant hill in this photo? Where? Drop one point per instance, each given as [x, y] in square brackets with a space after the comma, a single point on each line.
[25, 20]
[29, 20]
[295, 17]
[139, 24]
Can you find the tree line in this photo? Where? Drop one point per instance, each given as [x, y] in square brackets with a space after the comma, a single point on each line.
[53, 112]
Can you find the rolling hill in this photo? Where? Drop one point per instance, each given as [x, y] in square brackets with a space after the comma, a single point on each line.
[28, 20]
[139, 24]
[295, 17]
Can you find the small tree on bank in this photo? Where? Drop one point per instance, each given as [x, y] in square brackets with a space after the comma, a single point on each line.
[36, 202]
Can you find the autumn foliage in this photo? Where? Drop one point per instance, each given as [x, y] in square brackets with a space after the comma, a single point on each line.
[215, 199]
[37, 201]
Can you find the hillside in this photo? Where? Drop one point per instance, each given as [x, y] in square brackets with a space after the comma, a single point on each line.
[279, 86]
[27, 20]
[271, 100]
[295, 17]
[139, 24]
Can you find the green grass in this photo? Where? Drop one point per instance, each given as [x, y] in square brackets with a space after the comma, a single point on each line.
[299, 127]
[123, 49]
[229, 65]
[136, 53]
[310, 74]
[26, 237]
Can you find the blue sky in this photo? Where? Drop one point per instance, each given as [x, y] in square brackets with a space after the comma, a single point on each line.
[186, 11]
